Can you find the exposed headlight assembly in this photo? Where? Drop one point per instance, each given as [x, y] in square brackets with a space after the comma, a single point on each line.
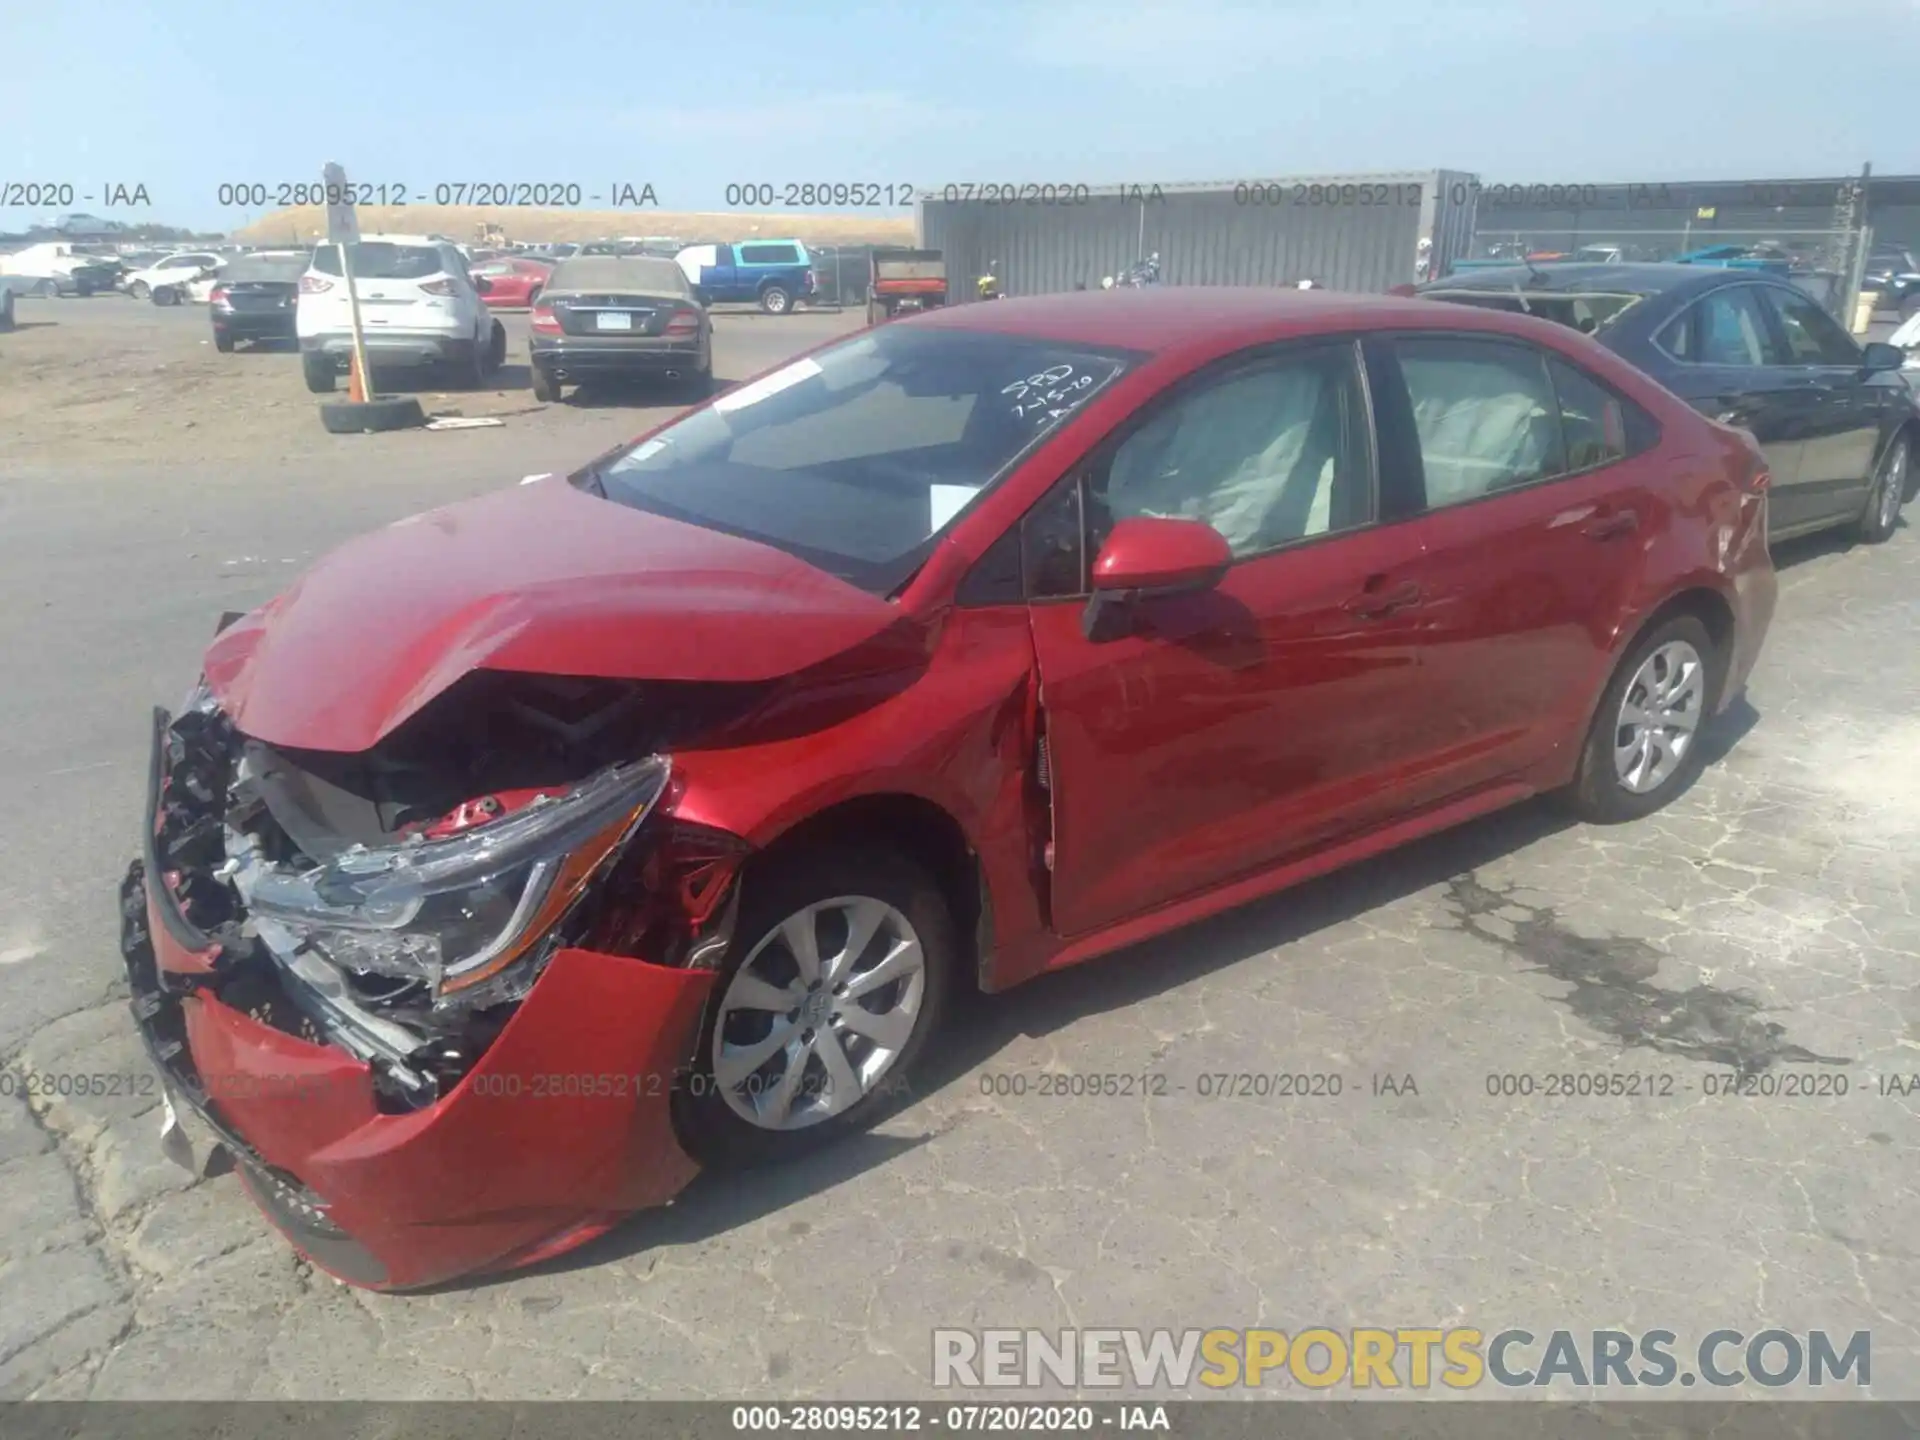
[458, 912]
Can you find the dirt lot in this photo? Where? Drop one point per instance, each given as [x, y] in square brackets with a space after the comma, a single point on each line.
[109, 378]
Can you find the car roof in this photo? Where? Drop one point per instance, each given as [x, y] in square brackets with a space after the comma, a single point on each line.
[644, 273]
[1628, 279]
[1166, 318]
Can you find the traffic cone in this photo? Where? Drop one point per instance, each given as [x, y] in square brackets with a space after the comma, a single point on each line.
[356, 383]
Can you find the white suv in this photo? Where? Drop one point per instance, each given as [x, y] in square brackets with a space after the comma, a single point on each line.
[418, 306]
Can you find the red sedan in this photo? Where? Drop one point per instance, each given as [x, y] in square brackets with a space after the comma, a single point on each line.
[526, 856]
[512, 284]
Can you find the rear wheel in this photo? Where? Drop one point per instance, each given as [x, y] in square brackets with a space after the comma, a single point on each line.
[1887, 494]
[319, 372]
[1644, 746]
[775, 300]
[139, 290]
[836, 980]
[496, 348]
[468, 369]
[546, 389]
[223, 342]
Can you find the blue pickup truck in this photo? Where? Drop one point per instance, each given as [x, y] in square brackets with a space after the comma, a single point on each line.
[776, 275]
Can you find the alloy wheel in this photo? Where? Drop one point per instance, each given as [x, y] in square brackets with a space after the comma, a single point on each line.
[818, 1013]
[1893, 485]
[1660, 717]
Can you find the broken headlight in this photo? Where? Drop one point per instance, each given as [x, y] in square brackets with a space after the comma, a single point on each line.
[457, 912]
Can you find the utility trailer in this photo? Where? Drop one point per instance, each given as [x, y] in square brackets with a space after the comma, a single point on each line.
[901, 281]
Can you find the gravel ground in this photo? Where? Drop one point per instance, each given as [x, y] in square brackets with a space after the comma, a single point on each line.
[1767, 921]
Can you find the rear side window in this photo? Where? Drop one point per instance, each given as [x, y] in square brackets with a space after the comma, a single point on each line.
[769, 255]
[1728, 327]
[1598, 427]
[381, 260]
[1486, 414]
[1813, 336]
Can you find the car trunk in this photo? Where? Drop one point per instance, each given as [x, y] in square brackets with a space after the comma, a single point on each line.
[261, 297]
[612, 313]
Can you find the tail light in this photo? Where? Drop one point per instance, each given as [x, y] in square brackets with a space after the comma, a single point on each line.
[314, 285]
[683, 322]
[437, 287]
[218, 297]
[543, 320]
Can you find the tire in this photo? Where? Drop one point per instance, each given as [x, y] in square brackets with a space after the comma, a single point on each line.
[496, 355]
[6, 311]
[140, 290]
[360, 417]
[876, 312]
[710, 1125]
[319, 373]
[1887, 494]
[223, 342]
[546, 389]
[47, 289]
[469, 370]
[1599, 793]
[776, 301]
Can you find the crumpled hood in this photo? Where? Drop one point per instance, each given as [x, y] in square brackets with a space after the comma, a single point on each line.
[542, 579]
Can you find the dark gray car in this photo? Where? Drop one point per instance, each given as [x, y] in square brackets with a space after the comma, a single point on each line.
[1836, 418]
[603, 315]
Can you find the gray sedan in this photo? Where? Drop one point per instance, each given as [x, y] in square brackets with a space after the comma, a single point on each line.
[619, 315]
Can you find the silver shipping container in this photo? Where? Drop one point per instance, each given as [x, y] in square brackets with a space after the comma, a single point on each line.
[1346, 232]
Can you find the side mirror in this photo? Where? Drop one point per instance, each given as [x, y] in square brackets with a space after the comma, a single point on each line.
[1147, 558]
[1877, 355]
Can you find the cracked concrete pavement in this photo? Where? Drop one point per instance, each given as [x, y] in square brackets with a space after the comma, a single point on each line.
[1766, 925]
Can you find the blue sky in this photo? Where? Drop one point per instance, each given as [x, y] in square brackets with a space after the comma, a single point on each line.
[183, 96]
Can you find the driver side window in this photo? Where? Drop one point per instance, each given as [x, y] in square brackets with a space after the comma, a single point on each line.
[1268, 454]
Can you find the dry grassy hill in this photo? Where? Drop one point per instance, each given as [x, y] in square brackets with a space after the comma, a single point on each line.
[464, 223]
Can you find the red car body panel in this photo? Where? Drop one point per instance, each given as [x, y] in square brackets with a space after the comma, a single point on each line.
[1318, 705]
[515, 289]
[380, 626]
[517, 1157]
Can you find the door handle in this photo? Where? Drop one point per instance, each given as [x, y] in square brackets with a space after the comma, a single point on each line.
[1377, 600]
[1609, 524]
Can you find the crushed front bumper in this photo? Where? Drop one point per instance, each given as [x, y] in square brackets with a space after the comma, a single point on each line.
[561, 1128]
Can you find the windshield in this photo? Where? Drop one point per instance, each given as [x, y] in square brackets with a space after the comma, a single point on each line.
[1588, 313]
[857, 457]
[381, 260]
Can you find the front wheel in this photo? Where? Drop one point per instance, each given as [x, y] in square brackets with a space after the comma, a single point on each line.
[139, 290]
[1644, 745]
[775, 301]
[1887, 494]
[836, 980]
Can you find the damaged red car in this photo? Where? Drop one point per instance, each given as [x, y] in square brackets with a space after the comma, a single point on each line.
[529, 854]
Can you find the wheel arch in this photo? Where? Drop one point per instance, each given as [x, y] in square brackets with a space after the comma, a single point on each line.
[907, 824]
